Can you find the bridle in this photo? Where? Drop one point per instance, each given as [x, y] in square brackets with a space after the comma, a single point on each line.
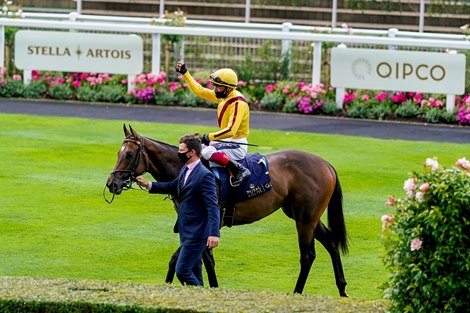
[135, 163]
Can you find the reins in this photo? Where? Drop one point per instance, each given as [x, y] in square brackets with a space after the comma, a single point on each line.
[131, 171]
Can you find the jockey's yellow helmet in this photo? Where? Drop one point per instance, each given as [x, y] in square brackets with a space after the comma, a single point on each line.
[224, 77]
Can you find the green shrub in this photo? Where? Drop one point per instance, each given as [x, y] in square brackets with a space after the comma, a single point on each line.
[165, 98]
[434, 115]
[188, 99]
[271, 101]
[111, 94]
[329, 107]
[12, 88]
[379, 111]
[61, 92]
[128, 98]
[86, 93]
[427, 240]
[257, 92]
[450, 117]
[358, 110]
[408, 109]
[35, 90]
[290, 106]
[22, 294]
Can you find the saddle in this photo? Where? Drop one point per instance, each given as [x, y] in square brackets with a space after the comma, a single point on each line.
[258, 183]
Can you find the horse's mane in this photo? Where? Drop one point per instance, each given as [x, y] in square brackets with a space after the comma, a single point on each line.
[169, 146]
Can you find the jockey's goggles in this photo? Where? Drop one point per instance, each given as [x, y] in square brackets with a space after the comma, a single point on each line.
[219, 82]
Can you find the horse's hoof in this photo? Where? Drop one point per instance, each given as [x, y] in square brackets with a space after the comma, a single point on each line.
[343, 294]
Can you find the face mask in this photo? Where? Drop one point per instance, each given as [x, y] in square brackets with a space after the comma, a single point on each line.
[183, 157]
[220, 94]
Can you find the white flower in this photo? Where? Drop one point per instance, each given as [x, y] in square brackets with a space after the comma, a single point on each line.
[419, 196]
[386, 219]
[410, 187]
[347, 28]
[432, 163]
[463, 163]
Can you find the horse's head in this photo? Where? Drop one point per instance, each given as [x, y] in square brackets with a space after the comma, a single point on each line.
[130, 163]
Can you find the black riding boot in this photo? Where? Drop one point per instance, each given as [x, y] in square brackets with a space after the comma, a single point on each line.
[239, 172]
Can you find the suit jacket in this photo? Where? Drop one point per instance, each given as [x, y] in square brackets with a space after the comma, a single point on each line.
[198, 211]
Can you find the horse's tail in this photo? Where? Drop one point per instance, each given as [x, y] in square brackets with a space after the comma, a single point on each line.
[336, 217]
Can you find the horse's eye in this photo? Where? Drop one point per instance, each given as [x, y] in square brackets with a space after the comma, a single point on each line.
[129, 155]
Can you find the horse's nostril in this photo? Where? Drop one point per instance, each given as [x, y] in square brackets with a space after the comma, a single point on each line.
[111, 186]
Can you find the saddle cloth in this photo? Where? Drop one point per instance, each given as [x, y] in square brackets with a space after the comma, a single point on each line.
[258, 183]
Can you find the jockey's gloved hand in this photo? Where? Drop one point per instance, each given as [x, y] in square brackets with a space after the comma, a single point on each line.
[205, 139]
[181, 67]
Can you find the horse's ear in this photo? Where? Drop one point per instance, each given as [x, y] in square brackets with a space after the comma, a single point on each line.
[134, 133]
[126, 131]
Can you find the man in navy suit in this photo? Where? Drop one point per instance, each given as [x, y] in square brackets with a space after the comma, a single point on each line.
[198, 212]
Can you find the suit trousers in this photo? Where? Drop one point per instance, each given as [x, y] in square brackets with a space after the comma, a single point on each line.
[189, 264]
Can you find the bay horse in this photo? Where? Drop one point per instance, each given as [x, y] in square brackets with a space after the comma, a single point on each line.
[303, 185]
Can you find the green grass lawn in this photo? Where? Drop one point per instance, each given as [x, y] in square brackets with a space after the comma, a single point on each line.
[54, 222]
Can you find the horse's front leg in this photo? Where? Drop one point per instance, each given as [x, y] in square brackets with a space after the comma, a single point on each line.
[170, 275]
[209, 264]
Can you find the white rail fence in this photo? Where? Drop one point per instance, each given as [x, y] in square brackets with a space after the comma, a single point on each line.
[286, 32]
[334, 11]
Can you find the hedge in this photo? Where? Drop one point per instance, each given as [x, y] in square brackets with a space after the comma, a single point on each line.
[21, 294]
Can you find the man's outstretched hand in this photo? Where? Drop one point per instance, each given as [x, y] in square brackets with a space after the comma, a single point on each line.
[181, 67]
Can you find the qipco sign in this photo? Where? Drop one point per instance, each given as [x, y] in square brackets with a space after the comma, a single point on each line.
[406, 70]
[398, 70]
[78, 52]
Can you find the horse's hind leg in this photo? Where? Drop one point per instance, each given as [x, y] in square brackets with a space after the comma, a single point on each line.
[305, 233]
[170, 275]
[325, 236]
[209, 264]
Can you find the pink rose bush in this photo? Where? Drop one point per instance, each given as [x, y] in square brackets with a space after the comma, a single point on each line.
[146, 86]
[426, 240]
[416, 105]
[463, 110]
[300, 97]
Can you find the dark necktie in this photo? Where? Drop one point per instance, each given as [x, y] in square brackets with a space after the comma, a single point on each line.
[183, 174]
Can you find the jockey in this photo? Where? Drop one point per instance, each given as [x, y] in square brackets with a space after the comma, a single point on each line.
[233, 117]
